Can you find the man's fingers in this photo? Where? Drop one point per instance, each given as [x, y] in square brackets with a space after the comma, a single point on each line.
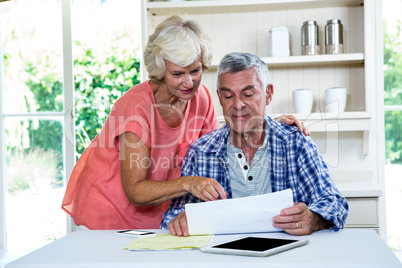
[172, 229]
[285, 219]
[183, 225]
[294, 220]
[178, 226]
[298, 208]
[288, 225]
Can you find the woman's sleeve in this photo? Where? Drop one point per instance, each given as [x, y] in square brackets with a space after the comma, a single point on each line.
[212, 118]
[136, 122]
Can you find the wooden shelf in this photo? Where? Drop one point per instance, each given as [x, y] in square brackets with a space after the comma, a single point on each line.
[349, 58]
[333, 116]
[326, 122]
[310, 60]
[332, 123]
[165, 8]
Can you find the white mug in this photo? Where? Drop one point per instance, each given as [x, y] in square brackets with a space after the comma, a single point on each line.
[335, 99]
[303, 100]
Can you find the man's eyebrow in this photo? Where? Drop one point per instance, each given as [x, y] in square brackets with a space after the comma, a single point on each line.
[225, 89]
[229, 90]
[248, 87]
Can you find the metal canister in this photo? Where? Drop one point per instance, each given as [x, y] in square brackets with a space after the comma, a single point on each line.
[309, 38]
[333, 37]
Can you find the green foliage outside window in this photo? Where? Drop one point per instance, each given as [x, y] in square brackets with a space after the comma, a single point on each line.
[99, 82]
[393, 96]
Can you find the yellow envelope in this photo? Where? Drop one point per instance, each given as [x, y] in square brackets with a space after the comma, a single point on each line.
[168, 241]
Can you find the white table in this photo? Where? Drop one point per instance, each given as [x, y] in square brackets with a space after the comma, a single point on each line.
[346, 248]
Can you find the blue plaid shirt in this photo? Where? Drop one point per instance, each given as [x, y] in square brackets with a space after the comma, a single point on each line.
[295, 163]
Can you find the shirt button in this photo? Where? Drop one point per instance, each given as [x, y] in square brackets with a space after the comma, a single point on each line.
[245, 167]
[239, 155]
[250, 178]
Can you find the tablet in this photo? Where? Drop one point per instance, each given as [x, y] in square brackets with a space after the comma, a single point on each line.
[254, 246]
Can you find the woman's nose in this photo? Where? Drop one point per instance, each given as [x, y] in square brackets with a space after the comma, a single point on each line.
[188, 81]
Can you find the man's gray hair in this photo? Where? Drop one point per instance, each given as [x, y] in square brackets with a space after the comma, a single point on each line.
[239, 61]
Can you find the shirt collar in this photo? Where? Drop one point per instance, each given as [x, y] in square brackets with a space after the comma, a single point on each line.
[263, 146]
[217, 142]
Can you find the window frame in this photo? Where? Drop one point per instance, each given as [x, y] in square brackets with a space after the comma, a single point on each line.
[2, 151]
[66, 116]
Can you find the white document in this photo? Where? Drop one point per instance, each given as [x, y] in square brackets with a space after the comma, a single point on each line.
[239, 215]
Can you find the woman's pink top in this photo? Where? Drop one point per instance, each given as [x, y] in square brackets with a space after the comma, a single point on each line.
[94, 196]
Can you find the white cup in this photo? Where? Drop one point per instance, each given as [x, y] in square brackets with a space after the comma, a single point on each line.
[335, 99]
[303, 100]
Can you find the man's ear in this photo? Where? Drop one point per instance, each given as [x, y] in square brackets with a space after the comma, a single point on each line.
[270, 93]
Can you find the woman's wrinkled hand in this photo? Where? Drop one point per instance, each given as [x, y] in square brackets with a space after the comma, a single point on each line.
[206, 189]
[293, 120]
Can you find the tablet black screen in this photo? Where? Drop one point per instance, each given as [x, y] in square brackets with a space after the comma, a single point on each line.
[255, 243]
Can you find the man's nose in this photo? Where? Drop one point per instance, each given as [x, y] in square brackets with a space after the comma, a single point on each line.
[238, 104]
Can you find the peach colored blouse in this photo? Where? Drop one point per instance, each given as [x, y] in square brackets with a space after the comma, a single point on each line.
[94, 196]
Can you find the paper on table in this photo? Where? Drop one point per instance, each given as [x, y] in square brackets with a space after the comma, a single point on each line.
[239, 215]
[168, 241]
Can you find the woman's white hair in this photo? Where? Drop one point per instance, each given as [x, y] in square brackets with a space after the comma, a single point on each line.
[179, 40]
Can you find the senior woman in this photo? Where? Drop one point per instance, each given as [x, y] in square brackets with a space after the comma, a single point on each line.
[131, 170]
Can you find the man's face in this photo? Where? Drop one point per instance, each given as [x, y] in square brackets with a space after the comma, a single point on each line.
[243, 100]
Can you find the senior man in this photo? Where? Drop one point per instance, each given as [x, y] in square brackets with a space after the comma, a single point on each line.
[253, 154]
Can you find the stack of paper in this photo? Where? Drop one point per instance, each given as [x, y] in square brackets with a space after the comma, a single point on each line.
[239, 215]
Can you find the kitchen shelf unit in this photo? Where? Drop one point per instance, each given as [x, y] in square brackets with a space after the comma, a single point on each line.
[240, 25]
[243, 25]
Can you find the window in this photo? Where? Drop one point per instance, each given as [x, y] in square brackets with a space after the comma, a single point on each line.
[32, 117]
[37, 90]
[106, 60]
[393, 118]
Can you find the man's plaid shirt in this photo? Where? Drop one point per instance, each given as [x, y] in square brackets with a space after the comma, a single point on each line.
[295, 163]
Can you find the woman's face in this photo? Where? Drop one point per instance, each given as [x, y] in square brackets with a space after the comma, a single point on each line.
[183, 82]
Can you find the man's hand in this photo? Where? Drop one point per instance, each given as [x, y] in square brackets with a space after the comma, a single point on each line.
[300, 220]
[178, 226]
